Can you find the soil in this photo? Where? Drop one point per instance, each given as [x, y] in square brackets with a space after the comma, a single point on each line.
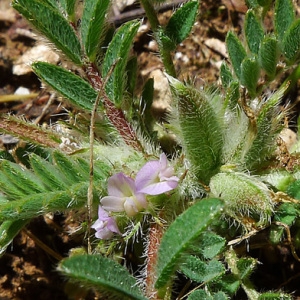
[28, 267]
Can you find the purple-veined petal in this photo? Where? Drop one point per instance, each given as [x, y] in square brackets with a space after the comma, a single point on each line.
[120, 185]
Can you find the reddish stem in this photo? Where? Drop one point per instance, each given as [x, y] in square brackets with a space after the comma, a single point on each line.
[114, 114]
[155, 235]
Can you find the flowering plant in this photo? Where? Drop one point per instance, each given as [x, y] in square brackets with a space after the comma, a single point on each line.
[228, 178]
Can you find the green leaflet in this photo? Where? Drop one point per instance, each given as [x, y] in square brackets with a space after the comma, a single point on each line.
[103, 274]
[254, 31]
[37, 204]
[181, 233]
[225, 74]
[242, 269]
[71, 86]
[209, 245]
[284, 17]
[267, 128]
[181, 22]
[116, 58]
[269, 55]
[8, 230]
[236, 52]
[202, 271]
[47, 187]
[48, 173]
[250, 72]
[68, 167]
[203, 295]
[200, 129]
[92, 25]
[245, 267]
[53, 25]
[232, 95]
[22, 179]
[291, 42]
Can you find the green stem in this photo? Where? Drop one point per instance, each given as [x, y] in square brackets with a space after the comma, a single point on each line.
[151, 14]
[292, 79]
[165, 54]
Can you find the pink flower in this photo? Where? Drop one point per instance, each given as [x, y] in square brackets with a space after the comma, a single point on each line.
[155, 177]
[123, 196]
[105, 225]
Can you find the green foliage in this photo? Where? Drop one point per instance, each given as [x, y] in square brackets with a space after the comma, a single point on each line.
[219, 133]
[269, 55]
[250, 72]
[284, 17]
[53, 25]
[267, 127]
[102, 274]
[254, 31]
[291, 42]
[200, 129]
[74, 88]
[236, 51]
[92, 26]
[181, 22]
[116, 58]
[199, 271]
[243, 195]
[274, 296]
[181, 233]
[48, 187]
[226, 75]
[8, 231]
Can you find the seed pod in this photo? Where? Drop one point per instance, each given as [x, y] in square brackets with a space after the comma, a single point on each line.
[245, 196]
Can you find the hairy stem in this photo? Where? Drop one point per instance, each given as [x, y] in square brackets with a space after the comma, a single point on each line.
[155, 235]
[165, 54]
[115, 115]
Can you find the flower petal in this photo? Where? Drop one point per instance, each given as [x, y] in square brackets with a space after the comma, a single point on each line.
[104, 234]
[111, 203]
[159, 188]
[147, 175]
[120, 185]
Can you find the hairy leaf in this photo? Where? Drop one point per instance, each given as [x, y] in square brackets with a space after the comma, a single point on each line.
[201, 271]
[267, 129]
[71, 86]
[250, 72]
[181, 233]
[269, 55]
[291, 42]
[182, 21]
[225, 74]
[254, 31]
[200, 128]
[274, 296]
[92, 25]
[36, 204]
[8, 230]
[284, 16]
[52, 24]
[102, 274]
[236, 52]
[116, 57]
